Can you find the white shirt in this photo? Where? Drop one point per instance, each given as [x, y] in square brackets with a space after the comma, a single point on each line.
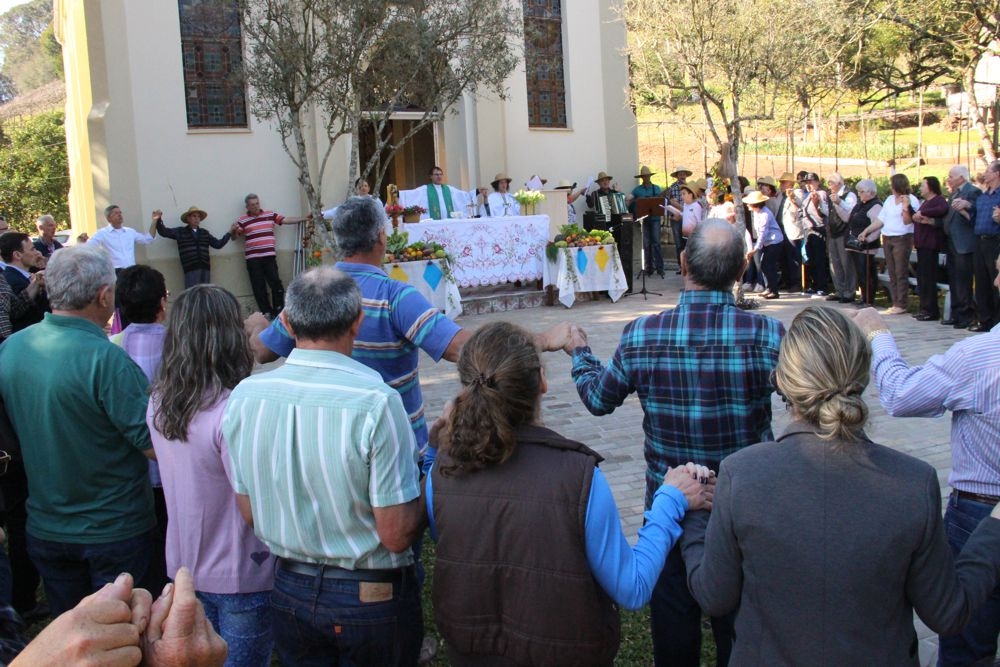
[120, 244]
[892, 216]
[848, 200]
[503, 204]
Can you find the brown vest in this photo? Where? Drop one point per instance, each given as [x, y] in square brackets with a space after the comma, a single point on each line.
[511, 577]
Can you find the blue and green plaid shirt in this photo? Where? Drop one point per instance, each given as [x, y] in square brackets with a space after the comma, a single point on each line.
[703, 375]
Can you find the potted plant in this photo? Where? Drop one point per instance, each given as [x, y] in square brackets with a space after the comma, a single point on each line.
[413, 213]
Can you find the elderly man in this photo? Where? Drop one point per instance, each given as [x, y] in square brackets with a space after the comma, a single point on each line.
[965, 380]
[46, 242]
[343, 513]
[90, 511]
[119, 240]
[987, 231]
[20, 256]
[959, 229]
[842, 201]
[604, 189]
[702, 372]
[193, 243]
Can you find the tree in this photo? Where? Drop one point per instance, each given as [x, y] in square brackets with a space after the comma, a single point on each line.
[36, 172]
[898, 47]
[339, 63]
[32, 57]
[733, 58]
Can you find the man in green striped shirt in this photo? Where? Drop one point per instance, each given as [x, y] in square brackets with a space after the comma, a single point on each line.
[323, 454]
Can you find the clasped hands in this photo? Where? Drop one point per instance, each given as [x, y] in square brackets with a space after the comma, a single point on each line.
[696, 482]
[563, 336]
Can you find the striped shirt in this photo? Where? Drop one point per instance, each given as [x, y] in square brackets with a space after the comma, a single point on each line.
[317, 444]
[965, 380]
[398, 323]
[259, 232]
[703, 375]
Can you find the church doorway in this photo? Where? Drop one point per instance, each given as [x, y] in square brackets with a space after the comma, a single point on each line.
[410, 165]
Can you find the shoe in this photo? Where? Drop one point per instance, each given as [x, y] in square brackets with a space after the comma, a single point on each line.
[846, 299]
[950, 322]
[963, 325]
[428, 649]
[769, 295]
[677, 272]
[820, 292]
[833, 297]
[661, 273]
[925, 317]
[808, 292]
[979, 328]
[893, 310]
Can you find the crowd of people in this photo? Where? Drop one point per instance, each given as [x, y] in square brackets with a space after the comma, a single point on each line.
[285, 509]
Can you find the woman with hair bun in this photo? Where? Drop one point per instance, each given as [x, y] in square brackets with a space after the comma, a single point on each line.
[823, 542]
[531, 558]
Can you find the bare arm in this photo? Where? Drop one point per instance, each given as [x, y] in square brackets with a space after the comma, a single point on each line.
[254, 325]
[455, 346]
[398, 526]
[246, 511]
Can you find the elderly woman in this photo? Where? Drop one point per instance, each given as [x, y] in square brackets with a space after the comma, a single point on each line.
[863, 239]
[928, 239]
[539, 586]
[823, 542]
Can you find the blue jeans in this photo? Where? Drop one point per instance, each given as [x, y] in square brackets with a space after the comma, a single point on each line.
[71, 572]
[244, 621]
[978, 639]
[651, 244]
[321, 621]
[675, 620]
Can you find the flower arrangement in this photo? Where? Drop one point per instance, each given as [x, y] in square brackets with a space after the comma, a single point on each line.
[524, 197]
[394, 209]
[414, 210]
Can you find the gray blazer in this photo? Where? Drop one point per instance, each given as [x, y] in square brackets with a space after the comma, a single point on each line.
[961, 238]
[826, 549]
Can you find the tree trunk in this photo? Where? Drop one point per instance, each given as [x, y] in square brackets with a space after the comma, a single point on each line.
[976, 118]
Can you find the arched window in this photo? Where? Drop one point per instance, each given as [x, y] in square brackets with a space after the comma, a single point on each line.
[543, 62]
[213, 58]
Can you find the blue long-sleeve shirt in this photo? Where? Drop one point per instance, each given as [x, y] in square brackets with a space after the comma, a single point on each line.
[985, 204]
[627, 574]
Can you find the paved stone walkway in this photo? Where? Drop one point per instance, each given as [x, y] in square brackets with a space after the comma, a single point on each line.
[618, 437]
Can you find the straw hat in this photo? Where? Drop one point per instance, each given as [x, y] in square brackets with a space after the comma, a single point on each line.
[645, 171]
[565, 185]
[787, 176]
[767, 180]
[690, 187]
[681, 170]
[500, 177]
[755, 197]
[601, 176]
[193, 209]
[701, 184]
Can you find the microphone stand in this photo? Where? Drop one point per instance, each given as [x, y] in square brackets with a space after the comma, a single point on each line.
[642, 272]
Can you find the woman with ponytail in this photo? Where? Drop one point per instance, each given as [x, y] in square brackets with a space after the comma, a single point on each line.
[823, 542]
[531, 558]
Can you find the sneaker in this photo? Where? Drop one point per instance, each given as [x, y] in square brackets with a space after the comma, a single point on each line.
[808, 292]
[428, 649]
[820, 292]
[894, 310]
[747, 287]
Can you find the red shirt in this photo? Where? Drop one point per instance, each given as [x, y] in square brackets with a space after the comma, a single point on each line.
[259, 232]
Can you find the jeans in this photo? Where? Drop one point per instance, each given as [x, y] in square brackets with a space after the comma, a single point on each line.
[651, 245]
[791, 265]
[198, 277]
[897, 265]
[321, 621]
[675, 620]
[769, 257]
[978, 639]
[985, 268]
[71, 572]
[263, 273]
[14, 486]
[818, 271]
[244, 621]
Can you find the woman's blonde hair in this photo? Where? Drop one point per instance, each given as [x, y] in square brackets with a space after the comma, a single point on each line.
[823, 368]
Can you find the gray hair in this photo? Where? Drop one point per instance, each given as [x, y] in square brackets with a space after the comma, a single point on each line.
[322, 303]
[866, 185]
[835, 177]
[963, 171]
[357, 225]
[716, 254]
[246, 200]
[109, 208]
[74, 276]
[43, 219]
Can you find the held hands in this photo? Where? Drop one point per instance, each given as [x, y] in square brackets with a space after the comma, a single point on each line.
[696, 482]
[960, 204]
[179, 634]
[577, 338]
[554, 338]
[157, 215]
[868, 320]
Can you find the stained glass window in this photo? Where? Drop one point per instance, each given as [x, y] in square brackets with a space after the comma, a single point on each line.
[543, 61]
[213, 56]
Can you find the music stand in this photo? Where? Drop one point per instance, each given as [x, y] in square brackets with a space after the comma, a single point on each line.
[643, 291]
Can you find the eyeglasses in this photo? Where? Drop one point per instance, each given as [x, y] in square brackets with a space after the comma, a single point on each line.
[4, 461]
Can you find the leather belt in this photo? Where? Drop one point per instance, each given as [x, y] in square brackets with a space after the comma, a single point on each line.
[334, 572]
[978, 498]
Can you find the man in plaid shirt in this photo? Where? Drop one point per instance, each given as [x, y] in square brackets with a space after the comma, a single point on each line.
[703, 375]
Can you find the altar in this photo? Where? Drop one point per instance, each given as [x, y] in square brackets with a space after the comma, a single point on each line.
[588, 269]
[488, 251]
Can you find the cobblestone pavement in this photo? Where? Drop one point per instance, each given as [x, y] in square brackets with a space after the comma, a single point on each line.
[618, 437]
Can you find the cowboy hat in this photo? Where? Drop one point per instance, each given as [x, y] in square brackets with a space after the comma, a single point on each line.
[500, 177]
[787, 177]
[645, 171]
[767, 180]
[565, 185]
[601, 176]
[681, 170]
[755, 197]
[193, 209]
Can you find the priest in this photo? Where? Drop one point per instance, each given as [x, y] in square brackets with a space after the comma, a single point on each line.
[439, 199]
